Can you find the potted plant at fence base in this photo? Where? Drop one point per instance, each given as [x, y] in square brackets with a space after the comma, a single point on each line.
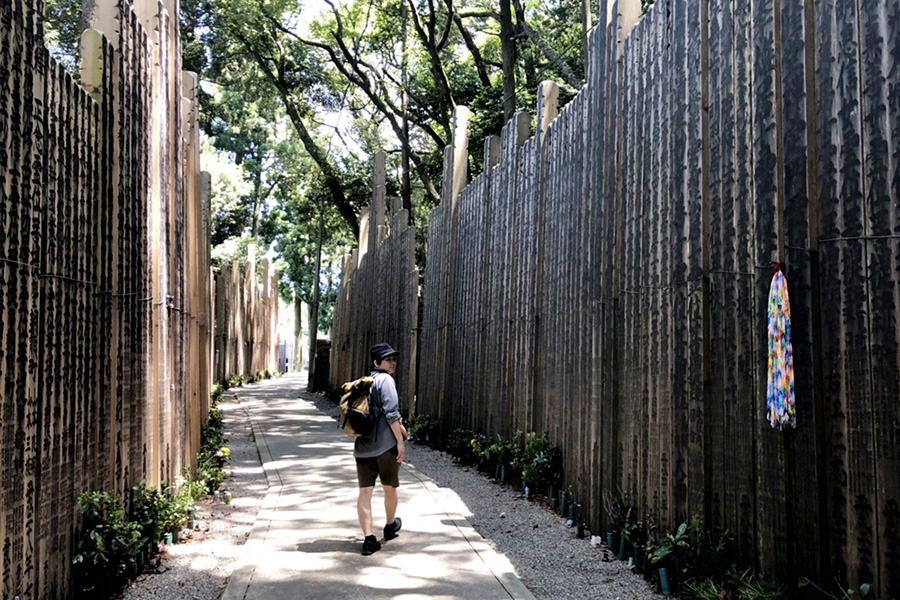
[662, 553]
[618, 512]
[146, 507]
[540, 465]
[633, 535]
[106, 543]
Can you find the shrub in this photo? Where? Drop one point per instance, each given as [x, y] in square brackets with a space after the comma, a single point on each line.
[100, 512]
[424, 429]
[504, 452]
[699, 553]
[107, 542]
[171, 516]
[216, 394]
[541, 463]
[145, 510]
[736, 584]
[461, 445]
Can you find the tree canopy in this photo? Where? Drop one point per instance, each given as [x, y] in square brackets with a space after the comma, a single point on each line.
[298, 95]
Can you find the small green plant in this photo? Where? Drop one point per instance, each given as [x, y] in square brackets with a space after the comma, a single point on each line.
[736, 584]
[215, 393]
[853, 593]
[235, 380]
[635, 532]
[213, 451]
[145, 510]
[107, 542]
[460, 446]
[618, 510]
[659, 550]
[698, 552]
[171, 515]
[704, 589]
[423, 429]
[209, 469]
[541, 463]
[94, 552]
[504, 451]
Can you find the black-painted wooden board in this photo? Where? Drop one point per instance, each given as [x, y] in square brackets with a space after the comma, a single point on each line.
[771, 460]
[879, 25]
[845, 314]
[802, 448]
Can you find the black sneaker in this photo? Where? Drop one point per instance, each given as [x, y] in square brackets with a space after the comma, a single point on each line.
[391, 529]
[370, 545]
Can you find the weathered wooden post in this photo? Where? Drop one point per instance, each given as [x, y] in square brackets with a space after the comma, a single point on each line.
[455, 176]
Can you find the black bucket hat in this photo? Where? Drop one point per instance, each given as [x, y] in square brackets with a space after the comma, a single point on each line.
[381, 351]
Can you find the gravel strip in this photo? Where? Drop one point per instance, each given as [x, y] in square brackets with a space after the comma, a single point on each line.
[546, 554]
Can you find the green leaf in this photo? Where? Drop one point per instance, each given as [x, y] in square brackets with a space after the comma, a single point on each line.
[864, 589]
[803, 581]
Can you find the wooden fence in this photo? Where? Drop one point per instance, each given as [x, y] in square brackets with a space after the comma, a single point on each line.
[378, 298]
[104, 277]
[246, 318]
[605, 279]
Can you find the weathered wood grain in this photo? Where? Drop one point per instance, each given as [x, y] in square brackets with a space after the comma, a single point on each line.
[880, 111]
[845, 319]
[803, 448]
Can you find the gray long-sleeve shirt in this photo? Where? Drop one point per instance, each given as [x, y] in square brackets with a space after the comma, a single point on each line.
[383, 393]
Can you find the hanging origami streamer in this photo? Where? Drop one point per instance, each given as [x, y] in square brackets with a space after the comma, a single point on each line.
[781, 411]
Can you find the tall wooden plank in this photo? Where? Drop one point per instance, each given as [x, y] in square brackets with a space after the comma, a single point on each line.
[742, 419]
[9, 279]
[803, 476]
[33, 81]
[594, 124]
[650, 273]
[628, 317]
[879, 23]
[608, 253]
[845, 315]
[731, 411]
[682, 273]
[52, 325]
[643, 152]
[696, 216]
[772, 518]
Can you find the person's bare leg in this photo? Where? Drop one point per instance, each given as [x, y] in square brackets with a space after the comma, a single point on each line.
[364, 509]
[390, 503]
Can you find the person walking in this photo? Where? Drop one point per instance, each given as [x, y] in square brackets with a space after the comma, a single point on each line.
[379, 454]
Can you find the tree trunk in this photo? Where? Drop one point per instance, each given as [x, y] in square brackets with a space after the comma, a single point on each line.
[508, 48]
[329, 171]
[477, 58]
[314, 307]
[405, 184]
[298, 333]
[585, 27]
[87, 14]
[556, 61]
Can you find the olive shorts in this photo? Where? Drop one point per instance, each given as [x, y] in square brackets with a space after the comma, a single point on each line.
[384, 466]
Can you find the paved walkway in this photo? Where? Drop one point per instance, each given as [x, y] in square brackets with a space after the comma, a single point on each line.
[306, 540]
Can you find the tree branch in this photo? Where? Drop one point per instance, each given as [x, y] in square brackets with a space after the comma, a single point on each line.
[555, 59]
[473, 49]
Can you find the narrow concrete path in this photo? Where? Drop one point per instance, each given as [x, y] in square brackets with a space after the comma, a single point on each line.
[306, 541]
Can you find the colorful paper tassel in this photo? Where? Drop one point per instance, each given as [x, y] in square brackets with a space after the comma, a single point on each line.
[780, 406]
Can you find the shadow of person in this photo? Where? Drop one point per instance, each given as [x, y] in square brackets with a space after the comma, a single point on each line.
[344, 545]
